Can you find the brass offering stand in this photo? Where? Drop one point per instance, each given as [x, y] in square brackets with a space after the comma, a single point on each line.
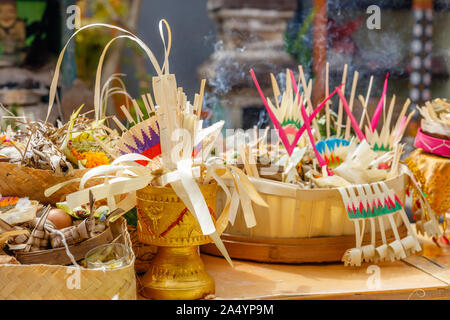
[177, 272]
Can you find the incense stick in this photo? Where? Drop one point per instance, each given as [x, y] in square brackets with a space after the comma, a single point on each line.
[321, 161]
[306, 126]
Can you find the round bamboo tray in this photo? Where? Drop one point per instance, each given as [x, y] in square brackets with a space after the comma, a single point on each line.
[299, 226]
[17, 180]
[292, 250]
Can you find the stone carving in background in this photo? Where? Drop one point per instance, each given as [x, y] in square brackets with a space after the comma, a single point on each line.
[12, 35]
[250, 34]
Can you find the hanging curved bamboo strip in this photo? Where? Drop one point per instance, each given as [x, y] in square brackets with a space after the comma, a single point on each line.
[131, 36]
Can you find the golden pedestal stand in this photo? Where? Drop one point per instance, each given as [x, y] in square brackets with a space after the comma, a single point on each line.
[177, 271]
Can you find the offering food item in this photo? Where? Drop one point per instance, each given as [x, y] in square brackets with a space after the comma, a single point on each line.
[59, 218]
[361, 163]
[436, 118]
[434, 134]
[7, 203]
[327, 161]
[109, 256]
[82, 229]
[86, 147]
[24, 231]
[14, 210]
[80, 143]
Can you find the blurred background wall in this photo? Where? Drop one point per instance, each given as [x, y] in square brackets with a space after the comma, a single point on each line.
[193, 40]
[221, 40]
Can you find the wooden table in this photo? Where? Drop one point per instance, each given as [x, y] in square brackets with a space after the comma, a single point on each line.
[424, 276]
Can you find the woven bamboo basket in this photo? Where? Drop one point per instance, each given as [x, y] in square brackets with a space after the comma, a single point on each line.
[300, 225]
[20, 181]
[50, 282]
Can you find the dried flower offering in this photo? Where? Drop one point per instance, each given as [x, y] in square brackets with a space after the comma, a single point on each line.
[80, 143]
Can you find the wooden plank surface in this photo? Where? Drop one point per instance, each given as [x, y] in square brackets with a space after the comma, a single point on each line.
[423, 276]
[398, 280]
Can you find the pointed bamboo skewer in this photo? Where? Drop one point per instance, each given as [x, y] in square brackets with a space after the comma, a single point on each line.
[150, 100]
[401, 115]
[390, 112]
[365, 112]
[119, 124]
[354, 123]
[195, 106]
[146, 105]
[139, 114]
[431, 111]
[403, 128]
[385, 131]
[276, 89]
[365, 104]
[127, 114]
[200, 102]
[352, 99]
[308, 89]
[327, 93]
[340, 110]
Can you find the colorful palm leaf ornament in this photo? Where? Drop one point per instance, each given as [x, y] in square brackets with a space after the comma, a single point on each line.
[333, 150]
[371, 203]
[142, 138]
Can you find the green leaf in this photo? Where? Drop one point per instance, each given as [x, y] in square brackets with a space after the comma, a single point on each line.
[131, 217]
[298, 47]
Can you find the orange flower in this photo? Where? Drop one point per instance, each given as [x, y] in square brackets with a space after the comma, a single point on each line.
[91, 159]
[5, 141]
[8, 201]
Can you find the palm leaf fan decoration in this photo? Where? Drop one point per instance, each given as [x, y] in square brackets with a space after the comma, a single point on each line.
[143, 137]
